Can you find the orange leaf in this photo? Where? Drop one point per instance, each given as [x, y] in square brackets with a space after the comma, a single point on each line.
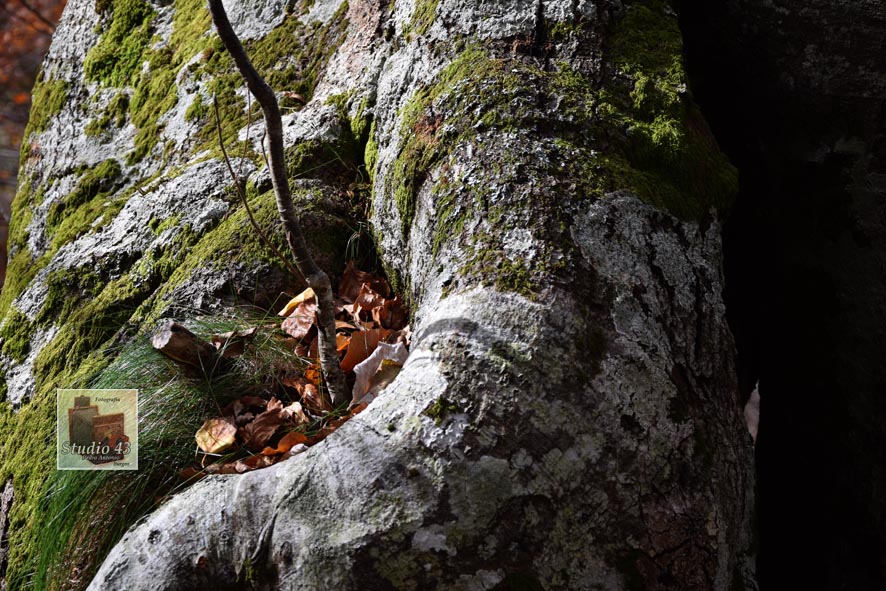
[295, 302]
[312, 374]
[353, 279]
[341, 342]
[362, 344]
[289, 440]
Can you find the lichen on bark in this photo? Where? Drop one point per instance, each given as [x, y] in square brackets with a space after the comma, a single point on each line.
[536, 436]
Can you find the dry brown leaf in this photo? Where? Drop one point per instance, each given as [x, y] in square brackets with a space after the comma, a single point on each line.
[362, 344]
[253, 463]
[216, 435]
[295, 413]
[367, 300]
[274, 404]
[257, 433]
[315, 401]
[353, 279]
[341, 324]
[289, 440]
[231, 344]
[295, 302]
[299, 324]
[391, 314]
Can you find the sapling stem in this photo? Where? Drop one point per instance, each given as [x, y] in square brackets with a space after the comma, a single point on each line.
[314, 276]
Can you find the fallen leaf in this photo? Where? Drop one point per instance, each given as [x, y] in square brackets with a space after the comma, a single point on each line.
[299, 324]
[295, 413]
[352, 280]
[365, 302]
[295, 302]
[312, 374]
[231, 344]
[274, 404]
[366, 370]
[341, 324]
[216, 435]
[253, 463]
[289, 440]
[315, 401]
[391, 314]
[257, 433]
[362, 344]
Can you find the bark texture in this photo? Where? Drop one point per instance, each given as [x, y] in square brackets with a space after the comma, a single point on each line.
[546, 196]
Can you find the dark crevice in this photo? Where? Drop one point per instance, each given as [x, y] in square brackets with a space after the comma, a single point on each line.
[805, 253]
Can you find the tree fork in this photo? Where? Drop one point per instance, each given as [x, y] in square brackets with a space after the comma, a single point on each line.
[315, 277]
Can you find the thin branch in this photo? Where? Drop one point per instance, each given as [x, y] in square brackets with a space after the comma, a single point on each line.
[38, 14]
[27, 22]
[315, 277]
[236, 179]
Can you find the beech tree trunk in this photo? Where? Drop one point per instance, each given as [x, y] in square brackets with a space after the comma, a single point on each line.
[568, 417]
[547, 197]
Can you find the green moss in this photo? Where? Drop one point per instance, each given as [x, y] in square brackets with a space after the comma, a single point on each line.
[668, 154]
[22, 214]
[370, 153]
[47, 100]
[118, 56]
[97, 126]
[79, 210]
[639, 132]
[115, 112]
[197, 111]
[422, 17]
[488, 260]
[440, 408]
[190, 26]
[22, 268]
[154, 95]
[472, 79]
[16, 334]
[291, 57]
[66, 289]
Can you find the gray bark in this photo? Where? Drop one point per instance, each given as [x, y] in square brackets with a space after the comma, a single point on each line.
[585, 435]
[568, 417]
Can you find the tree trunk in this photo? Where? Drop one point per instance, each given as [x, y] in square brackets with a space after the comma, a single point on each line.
[547, 197]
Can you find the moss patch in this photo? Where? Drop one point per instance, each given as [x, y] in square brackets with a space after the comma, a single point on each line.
[79, 210]
[290, 58]
[16, 335]
[118, 56]
[47, 100]
[638, 131]
[669, 156]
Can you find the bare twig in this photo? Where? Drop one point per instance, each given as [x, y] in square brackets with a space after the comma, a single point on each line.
[315, 277]
[235, 177]
[37, 14]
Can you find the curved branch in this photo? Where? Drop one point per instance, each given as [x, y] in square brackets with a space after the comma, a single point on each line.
[315, 277]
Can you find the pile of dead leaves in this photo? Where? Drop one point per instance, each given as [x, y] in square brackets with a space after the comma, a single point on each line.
[372, 338]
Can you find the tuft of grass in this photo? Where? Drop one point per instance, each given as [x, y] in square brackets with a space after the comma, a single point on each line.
[173, 403]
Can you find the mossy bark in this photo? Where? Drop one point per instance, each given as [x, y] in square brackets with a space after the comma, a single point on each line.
[546, 200]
